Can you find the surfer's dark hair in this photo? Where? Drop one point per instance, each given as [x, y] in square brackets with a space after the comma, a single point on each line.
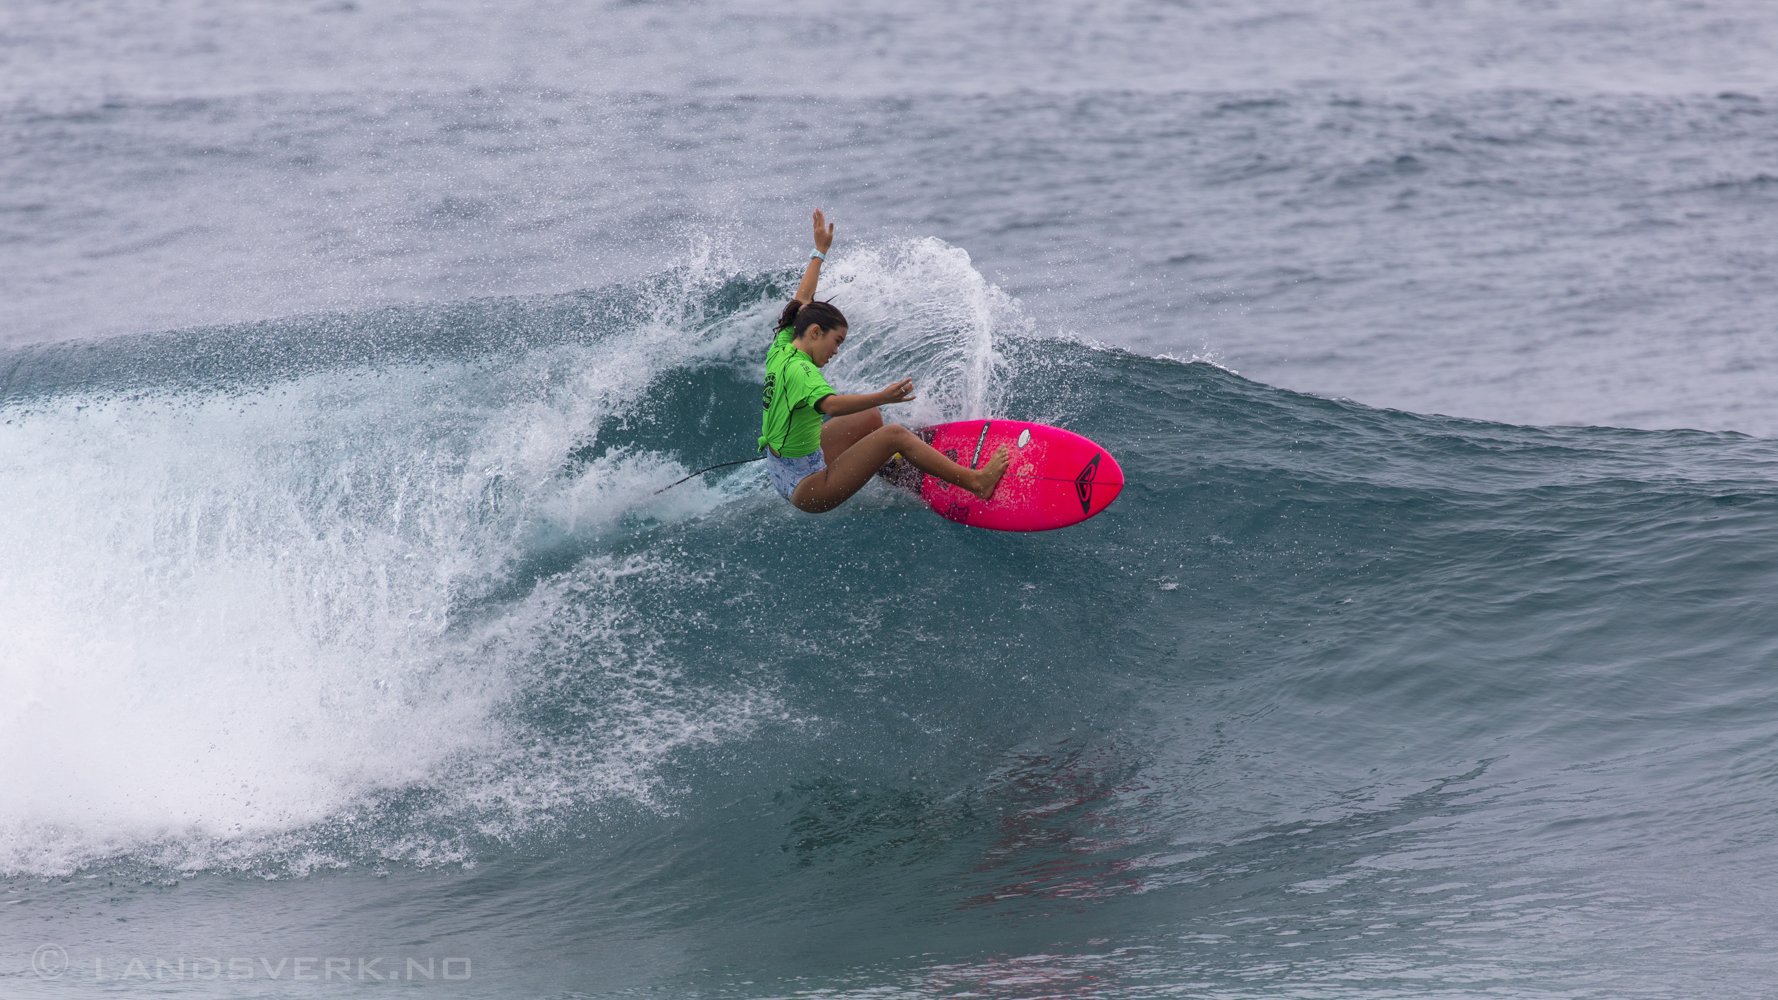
[799, 316]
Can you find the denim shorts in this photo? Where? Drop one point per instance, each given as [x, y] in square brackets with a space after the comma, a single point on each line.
[785, 473]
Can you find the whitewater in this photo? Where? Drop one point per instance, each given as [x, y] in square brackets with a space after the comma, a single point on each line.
[346, 644]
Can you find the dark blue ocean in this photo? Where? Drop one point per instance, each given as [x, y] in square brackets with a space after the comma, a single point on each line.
[346, 647]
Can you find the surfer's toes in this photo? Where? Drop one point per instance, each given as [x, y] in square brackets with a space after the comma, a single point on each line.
[991, 473]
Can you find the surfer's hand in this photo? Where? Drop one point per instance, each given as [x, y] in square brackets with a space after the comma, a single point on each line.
[900, 392]
[823, 232]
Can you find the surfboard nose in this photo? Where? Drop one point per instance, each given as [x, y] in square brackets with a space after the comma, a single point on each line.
[1098, 483]
[1103, 496]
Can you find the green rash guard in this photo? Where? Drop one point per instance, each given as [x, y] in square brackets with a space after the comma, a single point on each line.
[792, 425]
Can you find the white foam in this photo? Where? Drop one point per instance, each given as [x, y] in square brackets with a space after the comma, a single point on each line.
[227, 617]
[222, 617]
[919, 309]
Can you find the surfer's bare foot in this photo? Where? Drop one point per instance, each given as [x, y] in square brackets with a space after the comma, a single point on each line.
[988, 477]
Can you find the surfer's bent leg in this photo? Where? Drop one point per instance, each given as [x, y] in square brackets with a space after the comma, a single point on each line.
[847, 474]
[840, 433]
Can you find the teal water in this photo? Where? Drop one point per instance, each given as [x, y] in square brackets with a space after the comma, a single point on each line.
[362, 636]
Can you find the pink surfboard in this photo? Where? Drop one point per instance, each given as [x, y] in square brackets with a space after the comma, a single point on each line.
[1057, 478]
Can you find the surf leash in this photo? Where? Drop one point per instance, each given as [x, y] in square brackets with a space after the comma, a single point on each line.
[720, 465]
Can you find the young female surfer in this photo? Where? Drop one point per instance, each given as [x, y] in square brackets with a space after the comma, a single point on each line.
[818, 467]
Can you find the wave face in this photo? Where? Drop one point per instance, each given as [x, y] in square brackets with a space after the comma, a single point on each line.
[361, 630]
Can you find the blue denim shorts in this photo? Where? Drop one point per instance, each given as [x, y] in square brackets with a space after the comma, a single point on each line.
[785, 473]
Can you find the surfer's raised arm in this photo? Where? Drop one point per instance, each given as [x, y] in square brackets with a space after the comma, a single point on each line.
[805, 292]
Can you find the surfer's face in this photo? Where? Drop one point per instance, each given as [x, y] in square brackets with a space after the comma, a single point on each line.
[822, 344]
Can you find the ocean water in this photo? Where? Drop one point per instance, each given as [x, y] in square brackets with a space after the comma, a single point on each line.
[346, 646]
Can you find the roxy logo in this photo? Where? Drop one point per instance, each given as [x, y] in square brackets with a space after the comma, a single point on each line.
[51, 961]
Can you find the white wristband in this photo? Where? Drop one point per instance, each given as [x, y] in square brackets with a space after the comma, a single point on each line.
[816, 253]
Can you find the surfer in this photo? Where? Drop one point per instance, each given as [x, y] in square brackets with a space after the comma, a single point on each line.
[819, 466]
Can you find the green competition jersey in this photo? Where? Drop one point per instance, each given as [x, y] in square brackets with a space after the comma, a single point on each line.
[792, 425]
